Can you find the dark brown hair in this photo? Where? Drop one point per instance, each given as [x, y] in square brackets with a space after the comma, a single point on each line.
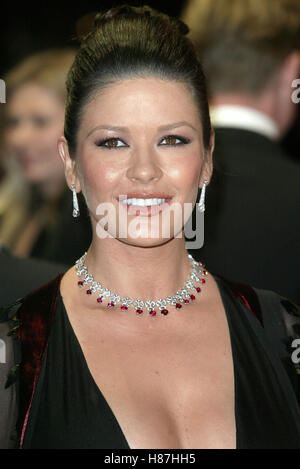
[127, 42]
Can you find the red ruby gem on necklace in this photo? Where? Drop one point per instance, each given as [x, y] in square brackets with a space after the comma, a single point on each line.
[99, 300]
[205, 272]
[164, 312]
[139, 311]
[192, 297]
[110, 304]
[198, 289]
[89, 292]
[178, 306]
[80, 283]
[124, 307]
[186, 301]
[152, 312]
[202, 280]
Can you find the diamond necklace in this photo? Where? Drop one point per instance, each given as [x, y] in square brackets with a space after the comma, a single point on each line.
[181, 297]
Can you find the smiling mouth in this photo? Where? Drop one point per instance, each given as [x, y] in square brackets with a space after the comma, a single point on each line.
[145, 206]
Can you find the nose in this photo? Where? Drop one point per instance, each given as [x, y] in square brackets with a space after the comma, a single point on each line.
[144, 166]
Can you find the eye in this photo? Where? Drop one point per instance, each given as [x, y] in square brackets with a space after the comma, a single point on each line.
[40, 121]
[111, 143]
[174, 140]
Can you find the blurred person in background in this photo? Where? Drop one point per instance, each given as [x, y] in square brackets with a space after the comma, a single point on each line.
[250, 51]
[33, 120]
[14, 195]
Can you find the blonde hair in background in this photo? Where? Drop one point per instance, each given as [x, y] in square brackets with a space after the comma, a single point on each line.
[236, 37]
[48, 68]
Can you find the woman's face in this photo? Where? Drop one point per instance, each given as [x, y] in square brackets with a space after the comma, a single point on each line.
[34, 123]
[139, 151]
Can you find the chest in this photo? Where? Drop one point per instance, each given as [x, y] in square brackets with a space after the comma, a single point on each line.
[167, 391]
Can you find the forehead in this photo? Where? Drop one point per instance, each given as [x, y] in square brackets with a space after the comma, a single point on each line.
[141, 102]
[32, 97]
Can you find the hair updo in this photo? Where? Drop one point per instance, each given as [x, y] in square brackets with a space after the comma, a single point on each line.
[127, 42]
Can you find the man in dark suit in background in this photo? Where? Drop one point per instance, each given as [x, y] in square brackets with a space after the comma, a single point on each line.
[18, 277]
[251, 56]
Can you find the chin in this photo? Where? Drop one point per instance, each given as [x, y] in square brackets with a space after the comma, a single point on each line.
[145, 242]
[140, 231]
[32, 178]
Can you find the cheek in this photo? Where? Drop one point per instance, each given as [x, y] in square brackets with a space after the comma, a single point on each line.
[47, 141]
[98, 178]
[10, 138]
[186, 174]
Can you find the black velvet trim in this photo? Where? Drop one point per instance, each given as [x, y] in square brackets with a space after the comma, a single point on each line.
[36, 316]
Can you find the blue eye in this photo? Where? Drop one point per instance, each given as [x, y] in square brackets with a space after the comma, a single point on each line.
[174, 140]
[111, 143]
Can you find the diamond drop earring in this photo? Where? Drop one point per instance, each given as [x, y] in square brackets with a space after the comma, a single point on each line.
[201, 205]
[76, 211]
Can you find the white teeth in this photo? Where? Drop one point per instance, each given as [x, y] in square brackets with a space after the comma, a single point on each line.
[143, 202]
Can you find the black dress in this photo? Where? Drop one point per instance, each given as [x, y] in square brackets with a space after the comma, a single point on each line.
[69, 410]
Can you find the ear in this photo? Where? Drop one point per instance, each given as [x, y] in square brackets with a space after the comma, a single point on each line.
[290, 69]
[207, 167]
[69, 164]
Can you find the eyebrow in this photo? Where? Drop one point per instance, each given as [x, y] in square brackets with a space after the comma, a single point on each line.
[125, 129]
[107, 127]
[176, 124]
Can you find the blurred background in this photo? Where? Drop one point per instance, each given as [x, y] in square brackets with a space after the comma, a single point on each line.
[30, 27]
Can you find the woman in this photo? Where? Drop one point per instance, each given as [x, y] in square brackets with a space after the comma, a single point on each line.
[100, 370]
[33, 121]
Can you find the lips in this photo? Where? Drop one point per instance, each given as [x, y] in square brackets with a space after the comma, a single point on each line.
[144, 204]
[145, 195]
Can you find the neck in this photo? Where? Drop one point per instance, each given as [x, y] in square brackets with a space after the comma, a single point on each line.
[263, 103]
[139, 272]
[276, 105]
[52, 189]
[275, 102]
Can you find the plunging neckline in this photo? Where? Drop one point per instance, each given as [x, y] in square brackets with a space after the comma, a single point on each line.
[98, 389]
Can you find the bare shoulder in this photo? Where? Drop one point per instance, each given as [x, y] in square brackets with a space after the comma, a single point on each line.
[68, 280]
[210, 295]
